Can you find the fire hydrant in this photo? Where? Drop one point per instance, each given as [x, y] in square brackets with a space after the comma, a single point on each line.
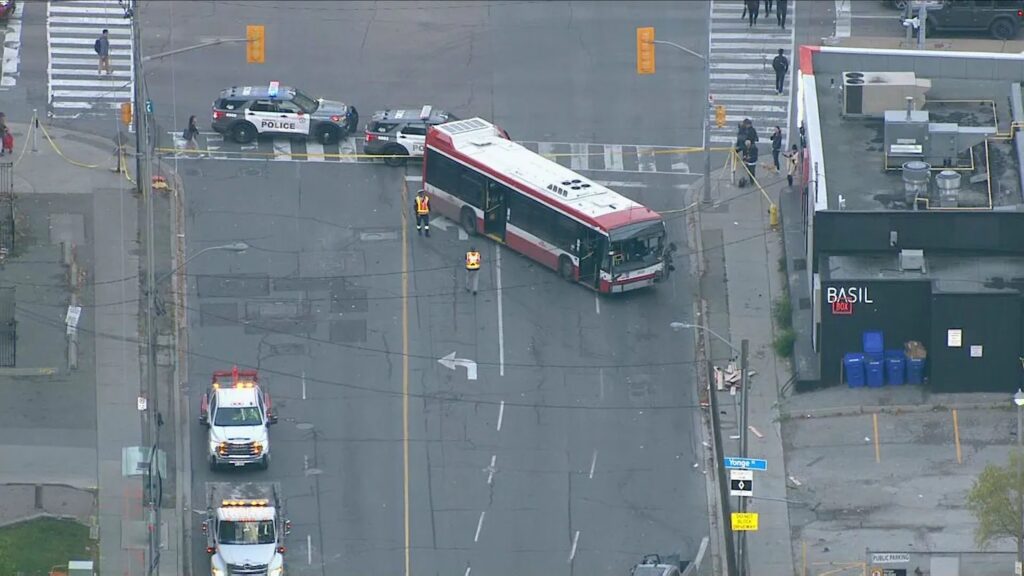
[773, 215]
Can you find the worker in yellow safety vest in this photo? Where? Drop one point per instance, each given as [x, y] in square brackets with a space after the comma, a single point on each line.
[472, 270]
[422, 208]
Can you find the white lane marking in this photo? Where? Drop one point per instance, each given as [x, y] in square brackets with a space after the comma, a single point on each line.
[108, 22]
[593, 464]
[125, 53]
[12, 51]
[414, 178]
[315, 151]
[109, 83]
[282, 149]
[501, 414]
[462, 234]
[92, 94]
[90, 31]
[843, 20]
[309, 548]
[491, 469]
[303, 384]
[468, 569]
[600, 374]
[597, 304]
[579, 160]
[119, 42]
[613, 158]
[501, 326]
[620, 184]
[305, 461]
[78, 9]
[575, 541]
[646, 158]
[479, 526]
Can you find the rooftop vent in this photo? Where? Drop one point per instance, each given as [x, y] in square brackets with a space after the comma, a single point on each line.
[912, 260]
[916, 175]
[872, 93]
[948, 183]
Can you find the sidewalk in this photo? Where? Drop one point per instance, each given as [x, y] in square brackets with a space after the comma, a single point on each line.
[80, 165]
[741, 280]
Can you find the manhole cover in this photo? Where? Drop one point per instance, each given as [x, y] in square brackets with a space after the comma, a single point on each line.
[314, 472]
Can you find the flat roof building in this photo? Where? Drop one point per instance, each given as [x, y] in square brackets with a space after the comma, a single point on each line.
[913, 218]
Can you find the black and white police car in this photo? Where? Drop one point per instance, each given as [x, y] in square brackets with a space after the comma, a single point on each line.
[245, 112]
[399, 134]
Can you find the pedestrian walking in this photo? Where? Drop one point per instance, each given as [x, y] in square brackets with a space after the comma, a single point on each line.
[102, 48]
[472, 270]
[191, 134]
[421, 206]
[776, 147]
[792, 164]
[751, 8]
[767, 8]
[803, 137]
[8, 142]
[750, 159]
[780, 14]
[749, 132]
[781, 66]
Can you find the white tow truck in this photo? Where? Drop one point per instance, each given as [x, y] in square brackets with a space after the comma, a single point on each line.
[245, 528]
[238, 414]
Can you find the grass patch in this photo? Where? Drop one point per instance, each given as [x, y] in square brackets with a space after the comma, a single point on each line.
[785, 336]
[31, 548]
[783, 342]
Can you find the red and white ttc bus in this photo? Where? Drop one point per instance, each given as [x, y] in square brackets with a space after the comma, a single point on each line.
[495, 187]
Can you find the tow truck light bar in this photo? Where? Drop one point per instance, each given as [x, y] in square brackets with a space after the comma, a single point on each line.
[261, 502]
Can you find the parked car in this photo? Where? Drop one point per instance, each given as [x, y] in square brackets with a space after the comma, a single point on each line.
[1000, 19]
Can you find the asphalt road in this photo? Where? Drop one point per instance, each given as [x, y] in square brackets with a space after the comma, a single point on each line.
[317, 304]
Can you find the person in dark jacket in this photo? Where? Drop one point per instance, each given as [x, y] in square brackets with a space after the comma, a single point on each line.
[776, 147]
[752, 8]
[780, 14]
[781, 66]
[750, 158]
[767, 8]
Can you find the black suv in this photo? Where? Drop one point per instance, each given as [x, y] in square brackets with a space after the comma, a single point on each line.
[401, 133]
[1000, 18]
[245, 112]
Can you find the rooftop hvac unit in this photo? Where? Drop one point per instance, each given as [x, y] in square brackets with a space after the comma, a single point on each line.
[912, 260]
[80, 568]
[872, 93]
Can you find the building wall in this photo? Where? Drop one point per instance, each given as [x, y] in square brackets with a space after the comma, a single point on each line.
[989, 321]
[899, 308]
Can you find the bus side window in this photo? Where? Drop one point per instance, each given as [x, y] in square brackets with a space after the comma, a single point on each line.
[471, 188]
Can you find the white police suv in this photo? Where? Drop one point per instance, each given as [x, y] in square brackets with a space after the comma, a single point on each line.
[398, 134]
[245, 112]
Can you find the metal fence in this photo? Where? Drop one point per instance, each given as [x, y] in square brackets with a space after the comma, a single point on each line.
[7, 213]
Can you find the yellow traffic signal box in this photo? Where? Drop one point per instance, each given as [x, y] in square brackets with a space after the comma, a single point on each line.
[645, 50]
[255, 49]
[126, 113]
[720, 116]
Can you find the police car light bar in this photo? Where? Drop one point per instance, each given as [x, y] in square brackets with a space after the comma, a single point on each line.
[272, 91]
[425, 113]
[231, 503]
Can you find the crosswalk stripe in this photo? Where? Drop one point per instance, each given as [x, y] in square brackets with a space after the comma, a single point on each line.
[760, 46]
[73, 80]
[314, 151]
[613, 158]
[580, 159]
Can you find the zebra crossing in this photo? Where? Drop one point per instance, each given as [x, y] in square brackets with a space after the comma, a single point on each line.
[75, 86]
[581, 157]
[741, 74]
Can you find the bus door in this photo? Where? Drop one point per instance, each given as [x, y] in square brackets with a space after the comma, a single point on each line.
[591, 248]
[495, 210]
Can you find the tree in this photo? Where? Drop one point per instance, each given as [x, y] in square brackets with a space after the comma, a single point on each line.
[995, 500]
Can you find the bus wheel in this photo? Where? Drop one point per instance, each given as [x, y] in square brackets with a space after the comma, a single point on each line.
[468, 221]
[565, 268]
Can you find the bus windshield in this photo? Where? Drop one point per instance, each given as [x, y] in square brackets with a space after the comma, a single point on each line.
[635, 246]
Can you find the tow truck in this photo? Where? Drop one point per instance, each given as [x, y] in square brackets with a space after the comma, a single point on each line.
[245, 528]
[238, 414]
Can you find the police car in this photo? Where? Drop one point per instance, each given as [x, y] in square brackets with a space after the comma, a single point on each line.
[245, 112]
[401, 133]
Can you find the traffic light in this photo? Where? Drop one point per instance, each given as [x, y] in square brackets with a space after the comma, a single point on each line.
[126, 113]
[645, 50]
[720, 116]
[254, 36]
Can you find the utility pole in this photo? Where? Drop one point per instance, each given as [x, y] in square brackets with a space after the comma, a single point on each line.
[741, 551]
[144, 182]
[723, 482]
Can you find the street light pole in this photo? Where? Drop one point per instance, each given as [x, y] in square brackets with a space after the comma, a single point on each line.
[233, 247]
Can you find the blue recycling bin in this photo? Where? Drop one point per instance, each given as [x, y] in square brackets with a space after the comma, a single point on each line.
[915, 370]
[895, 367]
[853, 368]
[874, 373]
[874, 344]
